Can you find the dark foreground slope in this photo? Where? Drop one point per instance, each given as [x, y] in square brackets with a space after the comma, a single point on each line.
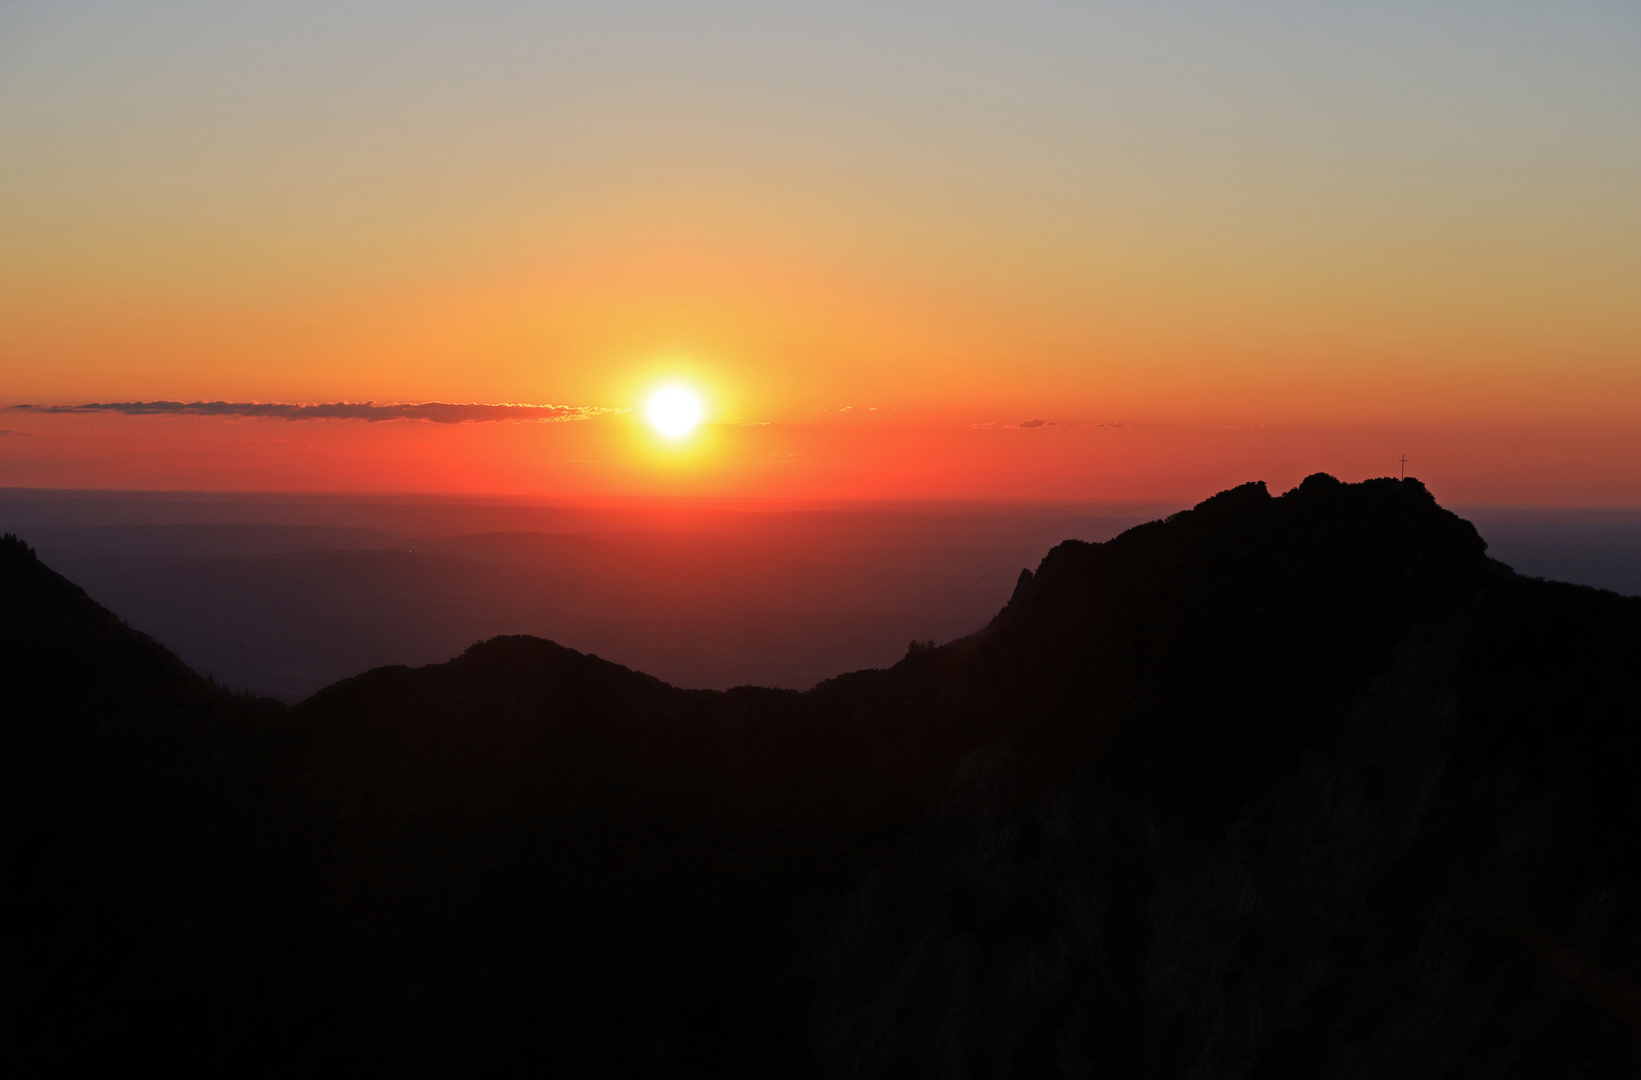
[135, 875]
[1297, 786]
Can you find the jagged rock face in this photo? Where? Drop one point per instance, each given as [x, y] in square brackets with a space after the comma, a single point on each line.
[1280, 786]
[1196, 657]
[1425, 862]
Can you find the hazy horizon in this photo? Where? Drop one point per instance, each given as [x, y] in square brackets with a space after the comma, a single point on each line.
[283, 594]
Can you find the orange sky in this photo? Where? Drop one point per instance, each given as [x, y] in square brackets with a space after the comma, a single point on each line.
[839, 456]
[1250, 248]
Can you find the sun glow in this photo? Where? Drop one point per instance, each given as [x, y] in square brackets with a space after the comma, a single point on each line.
[674, 411]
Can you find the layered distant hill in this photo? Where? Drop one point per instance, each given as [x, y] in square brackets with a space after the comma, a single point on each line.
[1279, 786]
[286, 597]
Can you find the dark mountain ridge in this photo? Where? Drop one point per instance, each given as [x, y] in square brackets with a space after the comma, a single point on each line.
[1279, 786]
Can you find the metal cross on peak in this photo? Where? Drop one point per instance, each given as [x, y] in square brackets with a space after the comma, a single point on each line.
[1403, 460]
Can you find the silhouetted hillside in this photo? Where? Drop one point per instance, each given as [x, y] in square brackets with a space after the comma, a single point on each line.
[129, 784]
[1302, 786]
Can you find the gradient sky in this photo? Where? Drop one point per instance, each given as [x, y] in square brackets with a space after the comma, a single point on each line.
[1206, 242]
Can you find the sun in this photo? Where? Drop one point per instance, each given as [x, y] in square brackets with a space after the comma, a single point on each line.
[674, 411]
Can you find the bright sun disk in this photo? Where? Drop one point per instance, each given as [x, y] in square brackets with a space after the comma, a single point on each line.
[674, 411]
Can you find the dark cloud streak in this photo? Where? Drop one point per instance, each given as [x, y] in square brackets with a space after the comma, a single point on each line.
[438, 412]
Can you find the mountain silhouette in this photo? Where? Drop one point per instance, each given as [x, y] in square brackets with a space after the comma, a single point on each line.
[1279, 786]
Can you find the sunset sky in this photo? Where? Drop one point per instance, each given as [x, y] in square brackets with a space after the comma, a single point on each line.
[1200, 242]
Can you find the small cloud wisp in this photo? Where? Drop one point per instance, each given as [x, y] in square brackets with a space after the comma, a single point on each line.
[438, 412]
